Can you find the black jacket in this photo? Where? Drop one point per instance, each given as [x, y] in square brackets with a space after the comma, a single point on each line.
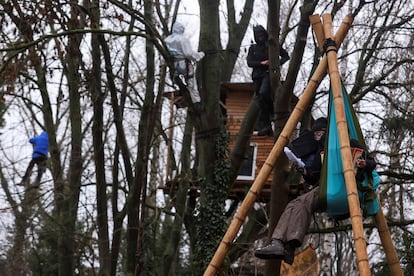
[257, 54]
[260, 52]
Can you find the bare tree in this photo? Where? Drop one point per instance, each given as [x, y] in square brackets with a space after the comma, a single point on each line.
[93, 75]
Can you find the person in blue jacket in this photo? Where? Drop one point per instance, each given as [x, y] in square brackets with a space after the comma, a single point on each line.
[39, 157]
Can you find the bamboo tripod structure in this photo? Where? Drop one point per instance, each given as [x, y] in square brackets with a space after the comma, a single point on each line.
[283, 139]
[349, 175]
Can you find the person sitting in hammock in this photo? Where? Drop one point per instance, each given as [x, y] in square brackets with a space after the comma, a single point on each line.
[303, 150]
[295, 219]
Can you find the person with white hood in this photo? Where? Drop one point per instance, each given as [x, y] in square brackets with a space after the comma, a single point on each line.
[180, 48]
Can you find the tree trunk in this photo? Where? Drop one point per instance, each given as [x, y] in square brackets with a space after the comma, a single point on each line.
[210, 130]
[282, 106]
[98, 146]
[68, 208]
[210, 221]
[136, 214]
[173, 233]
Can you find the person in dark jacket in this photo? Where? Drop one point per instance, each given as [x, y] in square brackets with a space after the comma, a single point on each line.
[258, 59]
[308, 145]
[39, 157]
[295, 219]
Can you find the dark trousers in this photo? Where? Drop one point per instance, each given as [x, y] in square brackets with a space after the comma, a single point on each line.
[41, 163]
[295, 219]
[263, 95]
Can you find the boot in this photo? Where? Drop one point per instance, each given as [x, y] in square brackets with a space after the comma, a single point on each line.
[198, 108]
[267, 131]
[289, 254]
[275, 250]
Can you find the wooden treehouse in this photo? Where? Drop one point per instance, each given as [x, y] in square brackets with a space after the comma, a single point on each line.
[236, 98]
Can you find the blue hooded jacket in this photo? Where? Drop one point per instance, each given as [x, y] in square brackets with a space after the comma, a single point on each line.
[41, 145]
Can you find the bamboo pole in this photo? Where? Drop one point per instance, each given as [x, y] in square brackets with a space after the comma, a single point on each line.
[390, 252]
[283, 139]
[349, 174]
[317, 27]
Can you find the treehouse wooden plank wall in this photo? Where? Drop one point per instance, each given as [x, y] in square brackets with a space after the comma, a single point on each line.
[236, 98]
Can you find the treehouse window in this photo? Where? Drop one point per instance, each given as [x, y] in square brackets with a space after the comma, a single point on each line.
[248, 167]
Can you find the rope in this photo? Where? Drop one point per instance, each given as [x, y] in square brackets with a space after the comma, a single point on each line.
[329, 45]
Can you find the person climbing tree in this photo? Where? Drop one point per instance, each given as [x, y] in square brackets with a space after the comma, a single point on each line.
[39, 157]
[179, 47]
[295, 219]
[258, 59]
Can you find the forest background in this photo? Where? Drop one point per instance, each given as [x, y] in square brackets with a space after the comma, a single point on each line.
[93, 75]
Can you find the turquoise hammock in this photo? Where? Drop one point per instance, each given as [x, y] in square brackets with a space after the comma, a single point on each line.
[332, 190]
